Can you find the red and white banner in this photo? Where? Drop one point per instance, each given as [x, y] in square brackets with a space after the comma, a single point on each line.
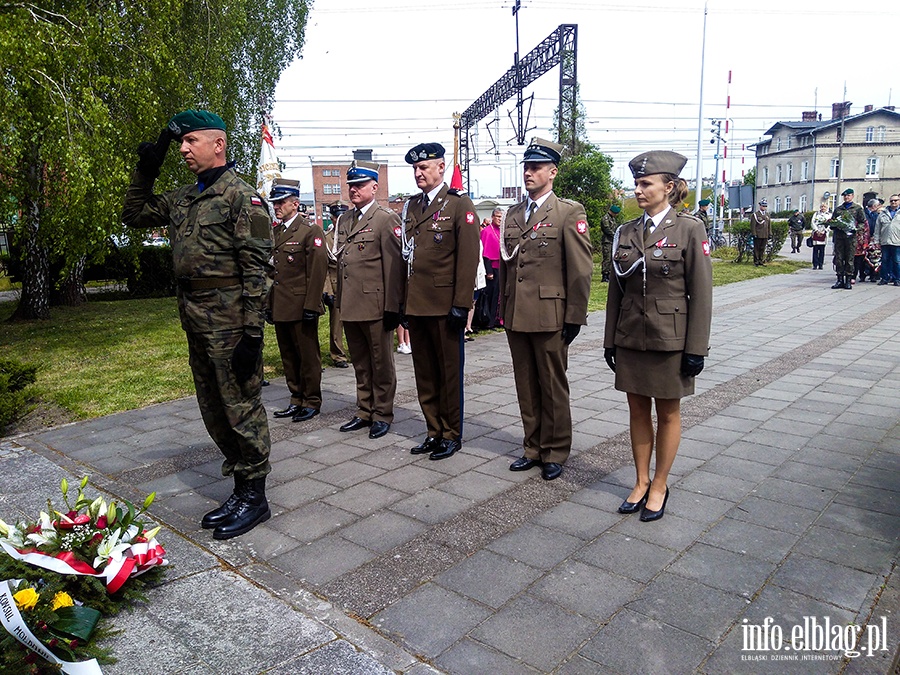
[269, 167]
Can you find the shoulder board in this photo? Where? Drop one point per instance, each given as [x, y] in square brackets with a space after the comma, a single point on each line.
[570, 202]
[689, 215]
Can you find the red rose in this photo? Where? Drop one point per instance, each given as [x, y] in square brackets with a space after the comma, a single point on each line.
[101, 523]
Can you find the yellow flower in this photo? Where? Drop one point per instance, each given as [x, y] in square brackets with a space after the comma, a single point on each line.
[61, 599]
[26, 598]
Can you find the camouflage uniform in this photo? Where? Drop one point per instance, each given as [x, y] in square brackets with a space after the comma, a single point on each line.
[845, 222]
[608, 226]
[221, 244]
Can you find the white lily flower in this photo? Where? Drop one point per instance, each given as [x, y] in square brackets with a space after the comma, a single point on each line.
[41, 539]
[130, 533]
[97, 508]
[4, 528]
[110, 549]
[46, 523]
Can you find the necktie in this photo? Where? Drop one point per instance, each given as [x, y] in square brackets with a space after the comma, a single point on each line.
[531, 210]
[424, 201]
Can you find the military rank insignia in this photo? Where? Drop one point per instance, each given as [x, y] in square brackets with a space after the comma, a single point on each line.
[470, 217]
[582, 227]
[317, 242]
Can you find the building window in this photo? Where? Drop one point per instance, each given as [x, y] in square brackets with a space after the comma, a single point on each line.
[777, 174]
[870, 134]
[765, 176]
[787, 203]
[835, 163]
[790, 173]
[777, 205]
[777, 145]
[872, 167]
[832, 202]
[804, 140]
[880, 134]
[802, 206]
[804, 170]
[331, 188]
[789, 143]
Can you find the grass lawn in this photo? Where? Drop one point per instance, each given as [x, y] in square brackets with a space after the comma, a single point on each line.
[112, 355]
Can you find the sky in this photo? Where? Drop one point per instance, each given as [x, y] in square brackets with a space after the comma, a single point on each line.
[389, 74]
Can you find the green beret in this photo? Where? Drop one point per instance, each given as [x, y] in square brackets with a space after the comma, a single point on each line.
[848, 191]
[615, 208]
[195, 120]
[705, 202]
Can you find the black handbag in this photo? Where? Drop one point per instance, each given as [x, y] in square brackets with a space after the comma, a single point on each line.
[809, 242]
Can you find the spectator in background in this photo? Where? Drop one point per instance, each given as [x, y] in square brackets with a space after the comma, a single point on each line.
[887, 235]
[761, 228]
[609, 223]
[403, 344]
[820, 235]
[873, 206]
[860, 269]
[490, 240]
[335, 325]
[796, 225]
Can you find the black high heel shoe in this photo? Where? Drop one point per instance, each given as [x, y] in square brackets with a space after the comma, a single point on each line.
[633, 507]
[647, 515]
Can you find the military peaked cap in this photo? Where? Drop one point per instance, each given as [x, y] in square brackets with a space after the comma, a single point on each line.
[657, 161]
[283, 188]
[361, 171]
[194, 120]
[543, 151]
[425, 151]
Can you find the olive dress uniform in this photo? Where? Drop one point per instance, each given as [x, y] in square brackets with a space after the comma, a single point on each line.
[761, 229]
[660, 304]
[441, 246]
[221, 238]
[301, 265]
[335, 324]
[371, 276]
[543, 285]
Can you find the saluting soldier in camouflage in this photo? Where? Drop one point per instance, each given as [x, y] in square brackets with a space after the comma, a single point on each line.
[846, 220]
[608, 225]
[221, 238]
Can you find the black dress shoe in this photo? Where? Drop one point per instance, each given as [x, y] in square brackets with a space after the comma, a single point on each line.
[355, 424]
[379, 429]
[341, 364]
[290, 411]
[551, 471]
[448, 449]
[523, 464]
[265, 383]
[628, 507]
[428, 445]
[647, 515]
[305, 414]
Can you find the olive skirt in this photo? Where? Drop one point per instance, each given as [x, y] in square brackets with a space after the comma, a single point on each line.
[653, 374]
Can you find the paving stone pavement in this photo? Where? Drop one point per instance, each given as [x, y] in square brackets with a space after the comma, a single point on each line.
[784, 509]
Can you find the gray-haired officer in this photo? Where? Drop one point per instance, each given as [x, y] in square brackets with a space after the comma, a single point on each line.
[221, 237]
[301, 265]
[761, 229]
[371, 277]
[440, 238]
[545, 281]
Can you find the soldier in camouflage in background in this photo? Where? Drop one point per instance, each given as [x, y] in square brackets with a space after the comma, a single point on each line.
[846, 220]
[221, 237]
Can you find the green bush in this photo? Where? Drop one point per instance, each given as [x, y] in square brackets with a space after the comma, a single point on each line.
[742, 238]
[14, 380]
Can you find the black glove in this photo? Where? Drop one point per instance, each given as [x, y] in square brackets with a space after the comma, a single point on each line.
[152, 155]
[403, 320]
[309, 315]
[691, 365]
[268, 314]
[391, 320]
[328, 299]
[570, 331]
[245, 357]
[609, 353]
[457, 318]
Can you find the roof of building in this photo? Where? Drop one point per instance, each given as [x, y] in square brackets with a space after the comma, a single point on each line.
[815, 126]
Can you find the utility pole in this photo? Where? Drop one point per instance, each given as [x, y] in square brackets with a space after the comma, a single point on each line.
[520, 103]
[717, 139]
[699, 185]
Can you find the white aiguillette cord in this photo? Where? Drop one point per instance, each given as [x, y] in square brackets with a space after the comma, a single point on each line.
[504, 253]
[407, 246]
[627, 273]
[15, 625]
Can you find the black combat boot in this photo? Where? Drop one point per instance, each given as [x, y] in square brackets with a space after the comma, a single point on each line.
[217, 516]
[252, 510]
[848, 283]
[840, 282]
